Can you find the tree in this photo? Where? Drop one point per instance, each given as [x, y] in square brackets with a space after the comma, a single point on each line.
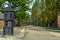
[20, 7]
[58, 6]
[48, 12]
[35, 13]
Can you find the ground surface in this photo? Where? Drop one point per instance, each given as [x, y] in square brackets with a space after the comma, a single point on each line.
[33, 34]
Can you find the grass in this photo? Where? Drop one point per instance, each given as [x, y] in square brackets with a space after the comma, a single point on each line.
[53, 28]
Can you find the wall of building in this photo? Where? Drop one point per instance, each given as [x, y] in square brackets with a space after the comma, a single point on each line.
[1, 23]
[59, 21]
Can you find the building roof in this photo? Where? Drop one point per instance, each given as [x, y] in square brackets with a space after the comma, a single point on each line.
[1, 16]
[8, 9]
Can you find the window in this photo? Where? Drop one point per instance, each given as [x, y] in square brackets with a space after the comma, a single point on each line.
[6, 23]
[10, 15]
[6, 15]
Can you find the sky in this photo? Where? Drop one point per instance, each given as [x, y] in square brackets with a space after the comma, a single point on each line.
[6, 4]
[32, 4]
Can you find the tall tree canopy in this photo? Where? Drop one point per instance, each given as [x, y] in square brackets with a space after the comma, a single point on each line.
[35, 13]
[48, 11]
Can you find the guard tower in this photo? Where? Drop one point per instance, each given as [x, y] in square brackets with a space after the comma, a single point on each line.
[8, 20]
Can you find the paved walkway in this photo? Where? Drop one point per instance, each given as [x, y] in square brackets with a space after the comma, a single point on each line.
[40, 35]
[52, 32]
[34, 34]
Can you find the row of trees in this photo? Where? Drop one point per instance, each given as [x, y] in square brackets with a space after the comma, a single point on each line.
[20, 7]
[45, 12]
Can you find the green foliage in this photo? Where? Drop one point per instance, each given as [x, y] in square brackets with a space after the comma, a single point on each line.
[35, 13]
[20, 7]
[47, 12]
